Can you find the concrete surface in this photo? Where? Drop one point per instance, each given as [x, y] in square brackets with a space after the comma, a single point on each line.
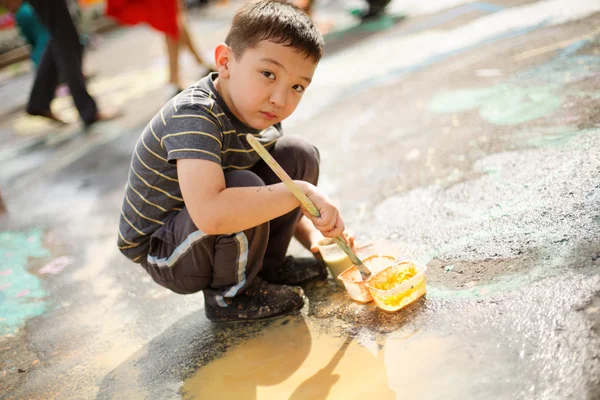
[464, 137]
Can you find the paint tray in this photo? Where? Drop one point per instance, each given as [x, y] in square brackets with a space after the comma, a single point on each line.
[378, 262]
[398, 285]
[355, 286]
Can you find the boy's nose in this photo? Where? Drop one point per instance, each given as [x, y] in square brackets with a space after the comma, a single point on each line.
[277, 98]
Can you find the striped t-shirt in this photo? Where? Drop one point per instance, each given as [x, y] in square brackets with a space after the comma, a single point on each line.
[194, 124]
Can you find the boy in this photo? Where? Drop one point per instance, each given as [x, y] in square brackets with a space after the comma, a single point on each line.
[202, 212]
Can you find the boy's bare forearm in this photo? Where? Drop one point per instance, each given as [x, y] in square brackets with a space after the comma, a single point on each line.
[239, 208]
[306, 232]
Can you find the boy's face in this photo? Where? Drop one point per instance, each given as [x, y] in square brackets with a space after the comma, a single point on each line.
[266, 84]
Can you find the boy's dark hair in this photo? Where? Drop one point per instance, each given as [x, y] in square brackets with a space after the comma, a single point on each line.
[276, 21]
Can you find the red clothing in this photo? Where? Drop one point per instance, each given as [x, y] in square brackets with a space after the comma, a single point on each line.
[160, 14]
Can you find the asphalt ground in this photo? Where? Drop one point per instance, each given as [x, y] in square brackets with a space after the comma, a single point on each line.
[463, 137]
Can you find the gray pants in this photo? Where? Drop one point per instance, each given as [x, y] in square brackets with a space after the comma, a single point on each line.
[185, 260]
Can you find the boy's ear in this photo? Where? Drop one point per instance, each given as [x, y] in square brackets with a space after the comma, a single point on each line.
[223, 57]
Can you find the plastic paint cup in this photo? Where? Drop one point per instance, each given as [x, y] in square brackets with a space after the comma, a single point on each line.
[398, 285]
[355, 286]
[336, 260]
[378, 262]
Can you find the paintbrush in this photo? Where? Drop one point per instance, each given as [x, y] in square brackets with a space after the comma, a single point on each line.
[305, 201]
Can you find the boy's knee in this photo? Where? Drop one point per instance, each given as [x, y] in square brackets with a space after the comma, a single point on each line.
[243, 178]
[299, 147]
[305, 155]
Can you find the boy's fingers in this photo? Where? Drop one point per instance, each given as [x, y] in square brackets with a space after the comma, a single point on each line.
[333, 233]
[333, 221]
[324, 223]
[336, 231]
[329, 226]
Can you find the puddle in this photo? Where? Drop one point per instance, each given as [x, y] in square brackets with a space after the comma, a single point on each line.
[295, 359]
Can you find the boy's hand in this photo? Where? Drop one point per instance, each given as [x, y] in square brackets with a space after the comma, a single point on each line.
[330, 223]
[316, 237]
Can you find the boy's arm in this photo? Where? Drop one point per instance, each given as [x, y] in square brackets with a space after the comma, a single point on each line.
[307, 234]
[216, 209]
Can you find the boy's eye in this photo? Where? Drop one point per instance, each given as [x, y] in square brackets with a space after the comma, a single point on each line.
[268, 74]
[298, 88]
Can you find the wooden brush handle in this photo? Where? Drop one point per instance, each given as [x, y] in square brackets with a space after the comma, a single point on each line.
[304, 200]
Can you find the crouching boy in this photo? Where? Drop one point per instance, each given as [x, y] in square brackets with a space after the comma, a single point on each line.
[202, 212]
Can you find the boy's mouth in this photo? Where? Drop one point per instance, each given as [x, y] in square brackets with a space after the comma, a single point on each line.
[268, 115]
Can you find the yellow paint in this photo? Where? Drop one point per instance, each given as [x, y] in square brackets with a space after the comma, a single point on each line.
[293, 361]
[397, 301]
[392, 280]
[397, 286]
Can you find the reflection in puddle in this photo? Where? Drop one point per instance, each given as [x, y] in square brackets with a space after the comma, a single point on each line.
[294, 359]
[412, 365]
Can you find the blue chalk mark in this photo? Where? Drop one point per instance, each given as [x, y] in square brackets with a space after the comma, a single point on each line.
[487, 7]
[15, 250]
[573, 48]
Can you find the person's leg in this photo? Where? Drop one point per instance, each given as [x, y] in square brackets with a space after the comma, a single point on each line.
[225, 267]
[65, 46]
[173, 53]
[300, 160]
[238, 257]
[376, 8]
[186, 260]
[184, 36]
[305, 5]
[2, 205]
[44, 86]
[186, 40]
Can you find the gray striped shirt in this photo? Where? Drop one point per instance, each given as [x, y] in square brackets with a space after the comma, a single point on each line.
[194, 124]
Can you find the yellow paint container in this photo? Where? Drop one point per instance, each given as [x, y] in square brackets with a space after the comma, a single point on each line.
[397, 286]
[355, 286]
[378, 262]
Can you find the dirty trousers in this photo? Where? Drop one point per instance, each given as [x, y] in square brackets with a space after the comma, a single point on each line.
[185, 260]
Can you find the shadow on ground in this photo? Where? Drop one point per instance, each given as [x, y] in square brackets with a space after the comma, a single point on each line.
[158, 369]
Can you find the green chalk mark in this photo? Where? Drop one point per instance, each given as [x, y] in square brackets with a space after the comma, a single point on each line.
[460, 100]
[512, 105]
[501, 104]
[494, 173]
[505, 283]
[527, 95]
[21, 294]
[556, 136]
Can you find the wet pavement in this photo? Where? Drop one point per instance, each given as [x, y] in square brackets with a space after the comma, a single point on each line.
[463, 136]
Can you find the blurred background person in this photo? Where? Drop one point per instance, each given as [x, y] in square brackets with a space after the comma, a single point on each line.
[375, 8]
[37, 36]
[62, 57]
[167, 16]
[33, 31]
